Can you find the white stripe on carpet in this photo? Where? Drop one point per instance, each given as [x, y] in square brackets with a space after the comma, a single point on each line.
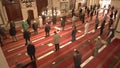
[45, 55]
[15, 48]
[65, 44]
[38, 39]
[86, 61]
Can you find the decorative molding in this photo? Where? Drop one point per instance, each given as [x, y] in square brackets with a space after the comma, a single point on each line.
[27, 3]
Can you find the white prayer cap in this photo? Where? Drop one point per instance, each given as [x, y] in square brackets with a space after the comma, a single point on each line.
[98, 36]
[39, 16]
[75, 49]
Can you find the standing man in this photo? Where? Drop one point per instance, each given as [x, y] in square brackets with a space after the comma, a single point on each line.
[73, 12]
[24, 25]
[47, 29]
[74, 18]
[43, 19]
[96, 22]
[97, 45]
[12, 33]
[62, 23]
[29, 21]
[77, 59]
[86, 27]
[26, 35]
[110, 35]
[56, 40]
[40, 22]
[74, 31]
[31, 51]
[35, 27]
[102, 27]
[2, 32]
[91, 14]
[110, 23]
[12, 24]
[83, 17]
[54, 19]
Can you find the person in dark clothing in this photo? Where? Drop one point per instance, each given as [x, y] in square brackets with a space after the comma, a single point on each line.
[43, 19]
[35, 27]
[29, 21]
[98, 6]
[77, 59]
[74, 31]
[54, 20]
[111, 15]
[115, 13]
[83, 17]
[108, 10]
[2, 32]
[80, 11]
[102, 27]
[1, 41]
[12, 32]
[91, 7]
[88, 12]
[112, 8]
[73, 12]
[62, 23]
[26, 35]
[110, 23]
[12, 24]
[31, 51]
[110, 35]
[96, 22]
[47, 30]
[91, 14]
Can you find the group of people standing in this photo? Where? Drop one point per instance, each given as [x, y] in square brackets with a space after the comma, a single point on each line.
[42, 22]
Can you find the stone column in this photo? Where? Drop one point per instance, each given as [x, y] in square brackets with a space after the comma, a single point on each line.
[3, 62]
[117, 21]
[3, 14]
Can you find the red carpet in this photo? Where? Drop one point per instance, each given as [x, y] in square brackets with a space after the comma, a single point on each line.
[103, 59]
[42, 49]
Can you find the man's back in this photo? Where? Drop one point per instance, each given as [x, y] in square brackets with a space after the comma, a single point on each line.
[57, 38]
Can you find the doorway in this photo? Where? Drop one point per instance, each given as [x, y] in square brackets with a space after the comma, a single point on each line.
[31, 14]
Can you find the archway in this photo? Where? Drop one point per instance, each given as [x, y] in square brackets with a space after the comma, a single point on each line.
[31, 14]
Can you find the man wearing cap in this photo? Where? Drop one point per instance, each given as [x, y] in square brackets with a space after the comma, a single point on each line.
[86, 27]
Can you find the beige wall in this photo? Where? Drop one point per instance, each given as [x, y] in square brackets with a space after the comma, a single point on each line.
[3, 17]
[3, 62]
[115, 3]
[118, 21]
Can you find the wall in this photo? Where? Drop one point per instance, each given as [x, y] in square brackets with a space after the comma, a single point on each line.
[3, 16]
[25, 10]
[115, 3]
[117, 22]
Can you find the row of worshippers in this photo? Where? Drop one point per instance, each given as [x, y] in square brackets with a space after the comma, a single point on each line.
[57, 38]
[94, 10]
[77, 56]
